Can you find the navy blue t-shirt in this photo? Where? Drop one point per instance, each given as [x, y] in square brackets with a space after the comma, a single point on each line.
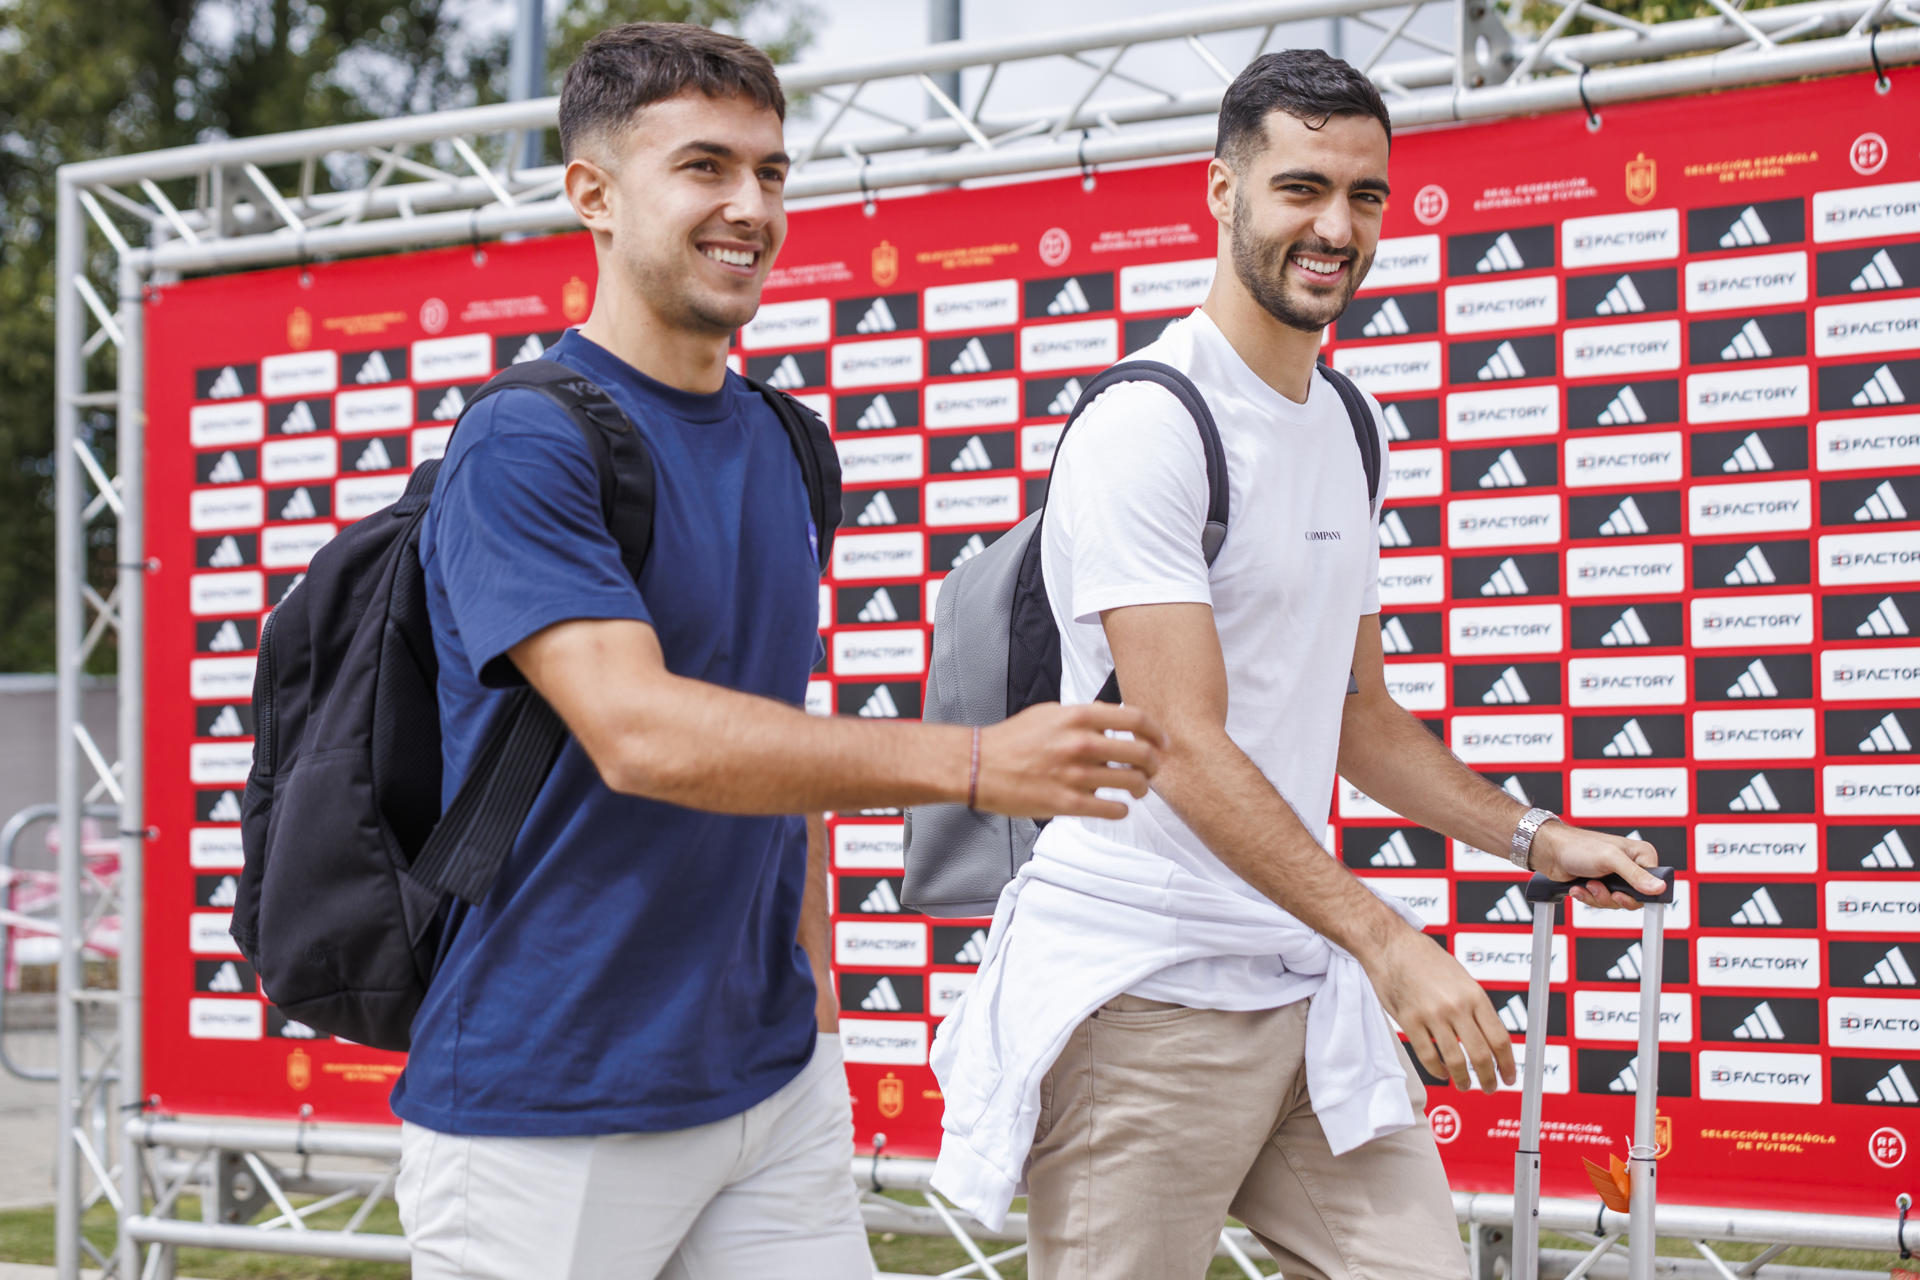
[635, 968]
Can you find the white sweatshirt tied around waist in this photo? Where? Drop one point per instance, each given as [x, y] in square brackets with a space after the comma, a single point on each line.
[1076, 928]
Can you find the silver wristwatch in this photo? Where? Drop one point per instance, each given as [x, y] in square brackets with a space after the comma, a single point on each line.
[1521, 854]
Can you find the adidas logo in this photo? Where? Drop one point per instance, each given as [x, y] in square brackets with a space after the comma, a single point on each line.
[226, 385]
[1070, 301]
[1752, 455]
[227, 723]
[1513, 1015]
[883, 998]
[1628, 1081]
[879, 510]
[1748, 344]
[1622, 409]
[374, 370]
[877, 416]
[972, 547]
[1505, 473]
[227, 470]
[1393, 531]
[1879, 273]
[1503, 363]
[298, 578]
[882, 900]
[1751, 571]
[224, 893]
[1627, 630]
[225, 809]
[1068, 396]
[1394, 637]
[1513, 788]
[1761, 1024]
[1506, 581]
[973, 456]
[1885, 620]
[1882, 504]
[450, 405]
[1625, 521]
[1888, 735]
[1889, 855]
[1894, 1087]
[1503, 255]
[1512, 907]
[878, 319]
[299, 506]
[292, 1030]
[531, 349]
[1627, 967]
[1892, 970]
[1630, 741]
[1389, 321]
[880, 705]
[1622, 299]
[1397, 428]
[1394, 851]
[226, 639]
[786, 375]
[225, 979]
[1757, 797]
[1508, 688]
[300, 420]
[1747, 229]
[375, 456]
[973, 358]
[975, 950]
[226, 554]
[878, 608]
[1880, 389]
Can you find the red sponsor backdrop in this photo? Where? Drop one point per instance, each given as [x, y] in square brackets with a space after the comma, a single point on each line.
[1650, 558]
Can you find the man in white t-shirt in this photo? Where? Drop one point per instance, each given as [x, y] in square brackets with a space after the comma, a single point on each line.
[1192, 1094]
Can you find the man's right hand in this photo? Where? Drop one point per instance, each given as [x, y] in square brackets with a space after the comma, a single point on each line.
[1447, 1017]
[1049, 760]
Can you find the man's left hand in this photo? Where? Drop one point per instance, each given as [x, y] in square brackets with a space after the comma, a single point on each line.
[1564, 852]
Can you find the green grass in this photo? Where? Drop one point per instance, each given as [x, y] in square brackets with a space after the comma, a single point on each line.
[26, 1235]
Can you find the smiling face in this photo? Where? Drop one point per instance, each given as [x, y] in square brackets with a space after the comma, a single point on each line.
[692, 214]
[1302, 214]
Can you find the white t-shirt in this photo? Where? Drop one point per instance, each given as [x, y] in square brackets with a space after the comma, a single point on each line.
[1298, 569]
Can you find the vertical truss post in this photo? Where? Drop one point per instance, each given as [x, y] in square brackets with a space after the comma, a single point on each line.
[69, 578]
[132, 558]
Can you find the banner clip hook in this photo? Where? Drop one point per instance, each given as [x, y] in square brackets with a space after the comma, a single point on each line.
[1086, 170]
[1902, 1202]
[1880, 82]
[866, 193]
[1593, 117]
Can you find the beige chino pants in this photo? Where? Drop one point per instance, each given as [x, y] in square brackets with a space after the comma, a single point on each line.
[1157, 1121]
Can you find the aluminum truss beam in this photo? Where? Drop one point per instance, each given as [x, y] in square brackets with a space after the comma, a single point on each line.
[419, 181]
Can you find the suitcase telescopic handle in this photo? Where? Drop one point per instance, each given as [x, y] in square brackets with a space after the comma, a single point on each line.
[1543, 889]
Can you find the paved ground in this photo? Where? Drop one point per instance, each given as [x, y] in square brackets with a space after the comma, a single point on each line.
[27, 1127]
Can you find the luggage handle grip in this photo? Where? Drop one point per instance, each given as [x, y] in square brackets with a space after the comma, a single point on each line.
[1543, 889]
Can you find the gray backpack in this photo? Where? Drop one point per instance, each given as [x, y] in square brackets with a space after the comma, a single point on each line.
[996, 652]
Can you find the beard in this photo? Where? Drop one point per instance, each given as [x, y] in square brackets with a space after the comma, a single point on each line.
[1262, 268]
[685, 303]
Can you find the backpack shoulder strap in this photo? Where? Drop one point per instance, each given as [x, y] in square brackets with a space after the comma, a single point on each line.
[1189, 396]
[1365, 434]
[620, 455]
[819, 464]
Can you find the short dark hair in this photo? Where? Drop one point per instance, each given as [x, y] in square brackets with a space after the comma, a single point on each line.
[627, 67]
[1307, 84]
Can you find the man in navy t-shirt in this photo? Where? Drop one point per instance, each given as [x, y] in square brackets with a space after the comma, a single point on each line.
[625, 1064]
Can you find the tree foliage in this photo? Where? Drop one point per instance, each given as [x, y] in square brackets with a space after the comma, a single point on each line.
[86, 78]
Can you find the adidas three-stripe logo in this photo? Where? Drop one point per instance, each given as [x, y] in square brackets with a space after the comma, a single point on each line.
[1630, 741]
[879, 510]
[1387, 322]
[1894, 1087]
[972, 547]
[973, 358]
[1748, 344]
[878, 608]
[1751, 570]
[1503, 363]
[1888, 735]
[226, 639]
[227, 723]
[299, 506]
[1892, 970]
[786, 375]
[973, 456]
[1758, 910]
[1064, 400]
[1882, 504]
[882, 899]
[877, 416]
[1881, 388]
[1509, 688]
[1627, 967]
[1889, 854]
[1747, 229]
[1394, 851]
[1879, 273]
[226, 469]
[880, 705]
[226, 385]
[375, 456]
[1513, 1015]
[531, 349]
[1505, 473]
[300, 419]
[1750, 455]
[1396, 424]
[1622, 409]
[1755, 682]
[1757, 797]
[1512, 907]
[1071, 300]
[374, 370]
[1622, 299]
[878, 319]
[1625, 521]
[1394, 637]
[453, 402]
[1761, 1024]
[1627, 629]
[975, 949]
[1501, 255]
[1393, 531]
[225, 555]
[1506, 581]
[883, 998]
[1885, 620]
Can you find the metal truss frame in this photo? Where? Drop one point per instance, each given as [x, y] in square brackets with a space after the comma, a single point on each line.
[409, 183]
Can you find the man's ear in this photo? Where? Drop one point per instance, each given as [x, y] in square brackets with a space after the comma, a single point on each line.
[1220, 184]
[590, 192]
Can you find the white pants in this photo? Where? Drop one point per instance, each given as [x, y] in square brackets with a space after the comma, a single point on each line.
[768, 1192]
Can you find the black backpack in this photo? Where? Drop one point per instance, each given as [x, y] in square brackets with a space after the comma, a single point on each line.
[996, 652]
[350, 863]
